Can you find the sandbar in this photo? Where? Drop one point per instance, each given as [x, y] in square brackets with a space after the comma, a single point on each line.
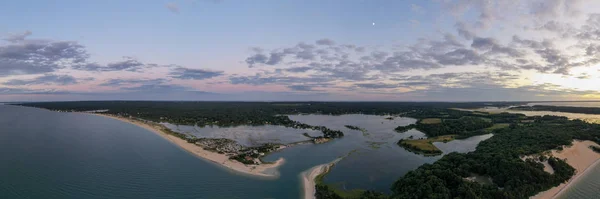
[309, 176]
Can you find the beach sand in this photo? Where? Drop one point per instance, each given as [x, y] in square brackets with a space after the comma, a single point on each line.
[580, 157]
[308, 177]
[267, 170]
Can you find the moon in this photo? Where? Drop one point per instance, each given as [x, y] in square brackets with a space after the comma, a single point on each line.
[373, 23]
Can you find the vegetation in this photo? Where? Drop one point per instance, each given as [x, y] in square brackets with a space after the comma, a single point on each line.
[595, 149]
[498, 158]
[431, 121]
[425, 146]
[250, 154]
[464, 127]
[497, 126]
[402, 129]
[354, 127]
[462, 123]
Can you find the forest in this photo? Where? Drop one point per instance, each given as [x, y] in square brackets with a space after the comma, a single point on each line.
[464, 124]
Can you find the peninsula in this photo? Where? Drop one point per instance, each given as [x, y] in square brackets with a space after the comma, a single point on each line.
[261, 169]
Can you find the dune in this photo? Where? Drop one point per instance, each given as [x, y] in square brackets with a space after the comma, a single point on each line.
[580, 157]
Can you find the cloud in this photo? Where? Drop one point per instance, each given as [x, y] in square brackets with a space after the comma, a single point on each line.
[13, 38]
[282, 80]
[325, 42]
[46, 79]
[39, 56]
[172, 7]
[195, 74]
[128, 64]
[376, 85]
[300, 87]
[159, 88]
[584, 76]
[464, 31]
[26, 91]
[127, 82]
[300, 69]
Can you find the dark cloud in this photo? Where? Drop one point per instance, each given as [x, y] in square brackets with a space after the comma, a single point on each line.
[376, 85]
[195, 74]
[26, 91]
[256, 59]
[325, 42]
[13, 38]
[128, 64]
[125, 82]
[584, 76]
[159, 88]
[36, 57]
[300, 87]
[285, 80]
[300, 69]
[46, 79]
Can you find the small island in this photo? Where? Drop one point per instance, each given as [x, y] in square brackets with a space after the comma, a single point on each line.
[425, 146]
[356, 128]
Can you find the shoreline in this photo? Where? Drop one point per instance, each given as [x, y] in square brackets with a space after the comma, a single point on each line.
[308, 177]
[580, 157]
[265, 170]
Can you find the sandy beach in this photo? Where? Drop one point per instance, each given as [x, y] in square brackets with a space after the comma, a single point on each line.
[580, 157]
[308, 177]
[262, 170]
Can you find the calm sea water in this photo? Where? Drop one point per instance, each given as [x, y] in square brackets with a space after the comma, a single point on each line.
[45, 154]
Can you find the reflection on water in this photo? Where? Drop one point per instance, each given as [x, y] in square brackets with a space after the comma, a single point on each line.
[248, 135]
[586, 117]
[575, 104]
[462, 146]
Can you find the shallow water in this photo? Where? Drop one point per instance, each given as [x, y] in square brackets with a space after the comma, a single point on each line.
[462, 146]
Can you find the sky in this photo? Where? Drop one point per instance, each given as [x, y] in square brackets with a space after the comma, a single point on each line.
[309, 50]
